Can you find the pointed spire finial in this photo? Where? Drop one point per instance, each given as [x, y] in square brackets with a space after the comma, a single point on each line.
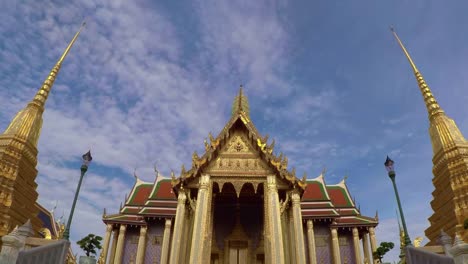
[134, 174]
[41, 96]
[240, 104]
[432, 106]
[376, 215]
[156, 172]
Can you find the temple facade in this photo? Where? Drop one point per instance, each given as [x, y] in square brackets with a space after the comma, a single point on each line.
[238, 203]
[450, 150]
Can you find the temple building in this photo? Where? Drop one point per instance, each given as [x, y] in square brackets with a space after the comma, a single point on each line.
[18, 159]
[450, 150]
[238, 203]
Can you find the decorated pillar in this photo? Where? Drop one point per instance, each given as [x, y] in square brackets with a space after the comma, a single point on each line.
[140, 257]
[166, 240]
[365, 247]
[298, 231]
[311, 242]
[335, 246]
[274, 218]
[292, 249]
[373, 242]
[286, 240]
[178, 227]
[113, 246]
[105, 245]
[357, 249]
[120, 245]
[201, 220]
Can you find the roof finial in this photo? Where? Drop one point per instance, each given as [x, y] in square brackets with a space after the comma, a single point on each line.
[241, 104]
[324, 170]
[134, 174]
[43, 92]
[432, 106]
[156, 172]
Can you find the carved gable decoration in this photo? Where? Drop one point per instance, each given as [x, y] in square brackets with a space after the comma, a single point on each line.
[238, 158]
[237, 145]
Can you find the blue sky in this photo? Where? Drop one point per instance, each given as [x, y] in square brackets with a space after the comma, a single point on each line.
[146, 81]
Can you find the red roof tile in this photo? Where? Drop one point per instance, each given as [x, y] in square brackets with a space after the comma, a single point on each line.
[338, 196]
[140, 194]
[163, 190]
[314, 191]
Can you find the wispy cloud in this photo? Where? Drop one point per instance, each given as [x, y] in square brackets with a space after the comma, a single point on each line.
[146, 82]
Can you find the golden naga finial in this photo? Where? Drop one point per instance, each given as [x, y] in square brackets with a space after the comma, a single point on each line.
[173, 177]
[183, 171]
[104, 213]
[304, 177]
[284, 163]
[293, 172]
[207, 146]
[41, 96]
[432, 106]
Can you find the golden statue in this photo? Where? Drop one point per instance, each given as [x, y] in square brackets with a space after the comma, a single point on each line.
[417, 241]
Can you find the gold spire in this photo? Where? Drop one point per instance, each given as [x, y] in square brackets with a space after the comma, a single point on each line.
[432, 106]
[43, 92]
[241, 104]
[28, 122]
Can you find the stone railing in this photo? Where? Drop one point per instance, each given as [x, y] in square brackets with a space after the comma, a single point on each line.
[53, 253]
[20, 247]
[456, 253]
[418, 256]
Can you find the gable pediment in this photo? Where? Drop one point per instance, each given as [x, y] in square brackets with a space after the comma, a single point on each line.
[238, 158]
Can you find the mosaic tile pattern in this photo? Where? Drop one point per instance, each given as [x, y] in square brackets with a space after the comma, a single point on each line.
[322, 243]
[130, 246]
[346, 248]
[154, 238]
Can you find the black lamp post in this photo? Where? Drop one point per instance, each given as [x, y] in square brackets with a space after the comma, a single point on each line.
[84, 167]
[391, 173]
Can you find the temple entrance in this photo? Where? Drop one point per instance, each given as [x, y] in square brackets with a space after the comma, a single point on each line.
[238, 225]
[238, 252]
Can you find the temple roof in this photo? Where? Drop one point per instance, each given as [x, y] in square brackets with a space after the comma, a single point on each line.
[240, 115]
[241, 149]
[319, 201]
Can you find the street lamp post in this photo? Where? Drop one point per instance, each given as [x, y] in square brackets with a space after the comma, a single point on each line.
[391, 173]
[84, 167]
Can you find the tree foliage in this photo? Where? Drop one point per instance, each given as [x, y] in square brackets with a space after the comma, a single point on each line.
[382, 250]
[90, 243]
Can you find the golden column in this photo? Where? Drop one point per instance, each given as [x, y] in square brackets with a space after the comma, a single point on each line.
[201, 220]
[286, 240]
[120, 245]
[365, 246]
[292, 249]
[114, 245]
[274, 219]
[166, 239]
[178, 227]
[357, 248]
[311, 242]
[105, 245]
[373, 242]
[298, 230]
[335, 246]
[140, 257]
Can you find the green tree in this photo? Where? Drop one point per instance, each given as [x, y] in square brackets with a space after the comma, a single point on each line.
[382, 250]
[90, 243]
